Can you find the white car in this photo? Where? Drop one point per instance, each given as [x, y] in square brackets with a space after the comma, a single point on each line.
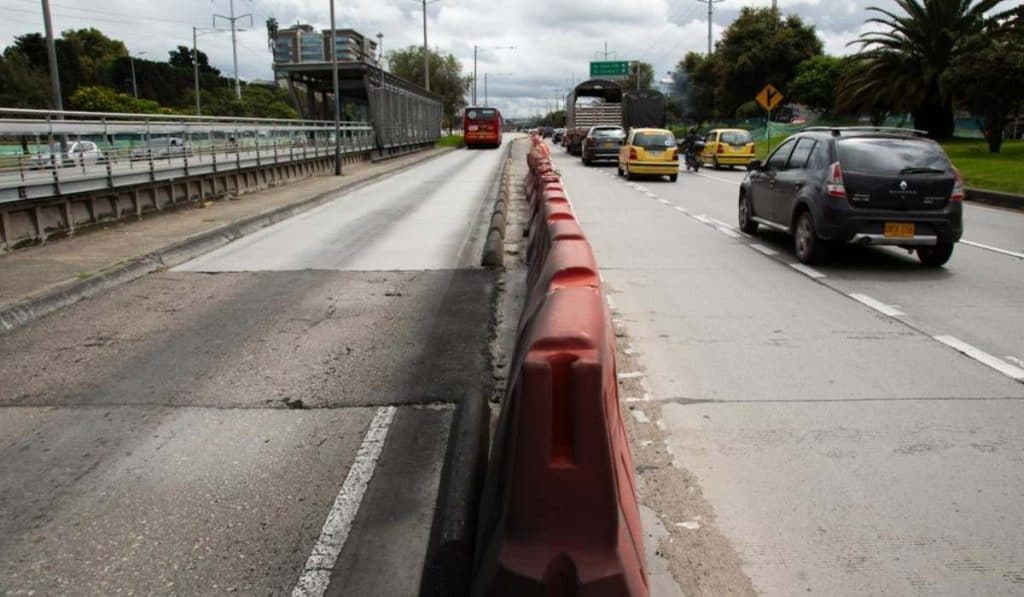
[76, 153]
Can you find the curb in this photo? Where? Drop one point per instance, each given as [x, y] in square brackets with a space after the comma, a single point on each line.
[175, 253]
[494, 245]
[997, 198]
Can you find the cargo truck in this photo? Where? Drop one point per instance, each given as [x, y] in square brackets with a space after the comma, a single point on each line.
[644, 108]
[596, 102]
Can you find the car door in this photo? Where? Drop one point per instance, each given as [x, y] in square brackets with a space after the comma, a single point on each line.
[762, 181]
[711, 145]
[790, 179]
[624, 150]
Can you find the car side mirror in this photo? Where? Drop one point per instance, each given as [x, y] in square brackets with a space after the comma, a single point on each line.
[753, 165]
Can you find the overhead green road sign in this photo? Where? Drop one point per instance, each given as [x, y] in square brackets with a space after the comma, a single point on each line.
[614, 68]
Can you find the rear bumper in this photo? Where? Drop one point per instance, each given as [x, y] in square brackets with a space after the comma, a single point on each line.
[601, 153]
[730, 159]
[668, 168]
[843, 223]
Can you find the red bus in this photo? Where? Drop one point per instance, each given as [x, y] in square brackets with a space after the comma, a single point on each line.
[481, 127]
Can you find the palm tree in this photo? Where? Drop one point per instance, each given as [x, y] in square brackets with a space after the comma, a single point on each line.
[901, 66]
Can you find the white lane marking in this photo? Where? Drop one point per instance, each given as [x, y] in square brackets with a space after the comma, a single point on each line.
[665, 202]
[717, 222]
[1015, 360]
[703, 218]
[735, 182]
[807, 271]
[629, 351]
[877, 305]
[639, 415]
[728, 232]
[611, 303]
[993, 249]
[316, 575]
[763, 249]
[631, 375]
[690, 525]
[983, 357]
[645, 398]
[682, 210]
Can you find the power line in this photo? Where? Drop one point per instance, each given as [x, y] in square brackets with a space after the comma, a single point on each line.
[89, 13]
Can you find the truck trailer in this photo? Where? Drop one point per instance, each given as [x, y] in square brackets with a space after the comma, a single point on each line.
[596, 102]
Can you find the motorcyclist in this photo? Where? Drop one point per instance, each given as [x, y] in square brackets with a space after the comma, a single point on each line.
[692, 138]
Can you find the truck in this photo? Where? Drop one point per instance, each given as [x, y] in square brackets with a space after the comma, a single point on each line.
[595, 102]
[644, 108]
[598, 102]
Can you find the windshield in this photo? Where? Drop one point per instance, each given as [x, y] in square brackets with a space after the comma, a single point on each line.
[892, 156]
[654, 140]
[735, 137]
[481, 114]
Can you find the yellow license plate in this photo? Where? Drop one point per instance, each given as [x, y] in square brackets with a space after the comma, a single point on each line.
[899, 230]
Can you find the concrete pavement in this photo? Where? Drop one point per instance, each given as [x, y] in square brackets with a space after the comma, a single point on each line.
[791, 438]
[274, 424]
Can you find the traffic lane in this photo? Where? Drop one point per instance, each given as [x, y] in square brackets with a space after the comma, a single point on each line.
[252, 340]
[743, 361]
[126, 499]
[902, 497]
[419, 218]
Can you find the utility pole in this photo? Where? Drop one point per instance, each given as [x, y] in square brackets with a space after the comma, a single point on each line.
[711, 10]
[485, 90]
[135, 88]
[475, 48]
[234, 41]
[51, 55]
[337, 103]
[195, 69]
[426, 50]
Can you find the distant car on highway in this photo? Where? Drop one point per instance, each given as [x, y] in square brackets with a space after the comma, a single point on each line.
[546, 132]
[162, 148]
[602, 143]
[859, 185]
[649, 151]
[728, 147]
[556, 137]
[75, 153]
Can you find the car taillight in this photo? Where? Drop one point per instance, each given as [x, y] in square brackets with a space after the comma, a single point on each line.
[958, 187]
[590, 140]
[633, 155]
[673, 155]
[752, 148]
[835, 185]
[721, 148]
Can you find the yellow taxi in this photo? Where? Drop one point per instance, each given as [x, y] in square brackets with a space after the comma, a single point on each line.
[728, 147]
[649, 151]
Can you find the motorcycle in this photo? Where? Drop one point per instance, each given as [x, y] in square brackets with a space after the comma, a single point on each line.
[692, 156]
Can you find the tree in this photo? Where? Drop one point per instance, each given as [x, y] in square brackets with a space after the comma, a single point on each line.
[988, 79]
[698, 86]
[815, 82]
[272, 29]
[446, 77]
[105, 99]
[21, 85]
[758, 48]
[901, 66]
[181, 57]
[643, 70]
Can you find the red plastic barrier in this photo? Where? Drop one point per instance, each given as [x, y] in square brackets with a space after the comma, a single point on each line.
[559, 514]
[563, 264]
[557, 230]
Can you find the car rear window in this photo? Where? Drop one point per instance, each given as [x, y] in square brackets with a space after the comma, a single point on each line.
[654, 140]
[735, 137]
[889, 157]
[481, 114]
[608, 133]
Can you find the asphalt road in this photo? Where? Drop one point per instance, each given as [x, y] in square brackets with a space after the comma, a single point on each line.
[271, 417]
[842, 445]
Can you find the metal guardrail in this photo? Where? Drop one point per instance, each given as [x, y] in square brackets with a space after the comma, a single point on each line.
[53, 152]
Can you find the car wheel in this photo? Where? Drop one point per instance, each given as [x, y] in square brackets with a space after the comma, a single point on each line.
[630, 175]
[807, 245]
[673, 177]
[715, 164]
[746, 215]
[585, 161]
[618, 170]
[935, 256]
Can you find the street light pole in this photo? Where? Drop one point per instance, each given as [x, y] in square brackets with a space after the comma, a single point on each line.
[485, 89]
[234, 42]
[426, 50]
[475, 48]
[195, 69]
[135, 88]
[337, 103]
[711, 10]
[51, 56]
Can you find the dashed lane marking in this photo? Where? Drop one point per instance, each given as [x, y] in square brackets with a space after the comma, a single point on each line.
[1015, 373]
[884, 309]
[631, 375]
[665, 202]
[728, 232]
[732, 182]
[763, 249]
[1015, 360]
[807, 271]
[682, 210]
[316, 574]
[993, 249]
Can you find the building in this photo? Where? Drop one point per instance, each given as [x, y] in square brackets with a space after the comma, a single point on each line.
[302, 43]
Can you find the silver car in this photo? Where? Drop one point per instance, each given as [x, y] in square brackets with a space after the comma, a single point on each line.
[75, 153]
[162, 148]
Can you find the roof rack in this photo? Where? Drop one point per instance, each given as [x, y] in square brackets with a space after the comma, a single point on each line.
[837, 130]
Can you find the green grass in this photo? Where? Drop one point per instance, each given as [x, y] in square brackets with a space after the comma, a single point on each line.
[451, 141]
[1002, 171]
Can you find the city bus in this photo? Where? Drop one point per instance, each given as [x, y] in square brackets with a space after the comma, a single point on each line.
[481, 127]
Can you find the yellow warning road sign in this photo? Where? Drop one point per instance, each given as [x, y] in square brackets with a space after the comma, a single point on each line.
[769, 97]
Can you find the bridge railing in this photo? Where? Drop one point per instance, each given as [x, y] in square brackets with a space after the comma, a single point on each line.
[42, 147]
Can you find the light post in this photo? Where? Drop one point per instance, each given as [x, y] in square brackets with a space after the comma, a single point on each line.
[135, 88]
[426, 50]
[380, 50]
[337, 102]
[475, 49]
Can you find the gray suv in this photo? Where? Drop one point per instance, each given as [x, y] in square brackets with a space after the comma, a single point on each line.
[858, 185]
[602, 143]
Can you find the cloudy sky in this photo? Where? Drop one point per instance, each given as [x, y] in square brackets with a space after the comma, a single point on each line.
[554, 39]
